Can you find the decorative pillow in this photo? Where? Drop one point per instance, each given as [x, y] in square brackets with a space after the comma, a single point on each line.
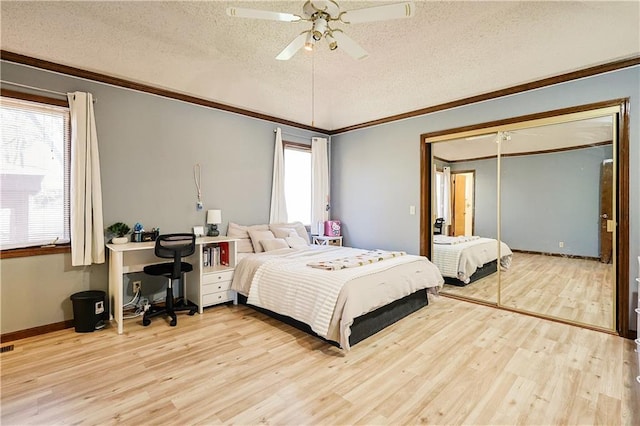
[298, 226]
[295, 241]
[244, 245]
[283, 232]
[241, 232]
[274, 244]
[257, 236]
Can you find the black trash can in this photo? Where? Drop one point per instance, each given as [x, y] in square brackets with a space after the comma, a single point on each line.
[88, 310]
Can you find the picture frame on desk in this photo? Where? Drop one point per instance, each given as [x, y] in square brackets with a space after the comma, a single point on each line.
[199, 231]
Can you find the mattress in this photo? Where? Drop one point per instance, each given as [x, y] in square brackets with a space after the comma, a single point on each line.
[281, 281]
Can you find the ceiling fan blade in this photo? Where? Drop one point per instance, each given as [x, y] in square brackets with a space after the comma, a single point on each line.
[347, 44]
[292, 48]
[239, 12]
[379, 13]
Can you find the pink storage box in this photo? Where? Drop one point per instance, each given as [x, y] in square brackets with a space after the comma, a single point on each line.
[332, 228]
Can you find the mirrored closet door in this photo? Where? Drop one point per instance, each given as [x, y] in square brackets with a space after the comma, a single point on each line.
[522, 214]
[465, 205]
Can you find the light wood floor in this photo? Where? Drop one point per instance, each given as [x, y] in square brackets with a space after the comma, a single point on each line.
[452, 362]
[573, 289]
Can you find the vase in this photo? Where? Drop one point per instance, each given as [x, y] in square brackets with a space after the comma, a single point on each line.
[120, 240]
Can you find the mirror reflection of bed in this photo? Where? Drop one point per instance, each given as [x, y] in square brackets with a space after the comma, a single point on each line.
[553, 217]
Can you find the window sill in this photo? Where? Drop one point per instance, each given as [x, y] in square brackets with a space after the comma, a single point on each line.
[34, 251]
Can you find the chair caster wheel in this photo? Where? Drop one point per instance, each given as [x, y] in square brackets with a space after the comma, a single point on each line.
[146, 322]
[173, 323]
[192, 313]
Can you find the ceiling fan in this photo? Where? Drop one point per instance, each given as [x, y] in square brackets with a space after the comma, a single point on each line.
[323, 14]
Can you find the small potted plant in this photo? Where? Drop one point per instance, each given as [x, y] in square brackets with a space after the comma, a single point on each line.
[119, 231]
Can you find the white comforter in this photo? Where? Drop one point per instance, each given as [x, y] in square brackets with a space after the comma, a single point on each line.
[328, 301]
[461, 260]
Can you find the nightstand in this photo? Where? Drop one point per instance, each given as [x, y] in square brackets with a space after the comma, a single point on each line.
[216, 262]
[326, 240]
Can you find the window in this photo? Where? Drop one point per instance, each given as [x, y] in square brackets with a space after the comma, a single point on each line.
[34, 171]
[440, 194]
[297, 182]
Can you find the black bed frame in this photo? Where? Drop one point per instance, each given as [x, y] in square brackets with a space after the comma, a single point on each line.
[365, 325]
[481, 272]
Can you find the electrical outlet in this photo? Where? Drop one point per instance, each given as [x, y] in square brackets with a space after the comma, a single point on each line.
[561, 244]
[136, 286]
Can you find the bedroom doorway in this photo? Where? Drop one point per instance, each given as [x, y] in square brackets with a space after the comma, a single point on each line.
[462, 218]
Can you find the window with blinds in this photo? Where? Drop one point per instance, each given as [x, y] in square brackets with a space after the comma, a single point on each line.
[34, 173]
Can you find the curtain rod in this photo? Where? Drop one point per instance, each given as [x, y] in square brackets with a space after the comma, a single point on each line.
[297, 136]
[11, 83]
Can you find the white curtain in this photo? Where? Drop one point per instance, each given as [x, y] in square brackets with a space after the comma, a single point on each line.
[278, 213]
[319, 183]
[87, 227]
[446, 196]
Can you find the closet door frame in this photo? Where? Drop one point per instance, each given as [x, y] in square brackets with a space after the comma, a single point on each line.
[622, 301]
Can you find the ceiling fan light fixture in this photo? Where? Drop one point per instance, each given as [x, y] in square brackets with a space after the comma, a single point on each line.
[310, 42]
[319, 27]
[333, 43]
[320, 14]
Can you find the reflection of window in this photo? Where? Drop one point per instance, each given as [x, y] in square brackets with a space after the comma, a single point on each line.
[34, 172]
[297, 182]
[440, 210]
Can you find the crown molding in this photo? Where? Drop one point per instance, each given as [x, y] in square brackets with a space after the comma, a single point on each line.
[128, 84]
[549, 81]
[120, 82]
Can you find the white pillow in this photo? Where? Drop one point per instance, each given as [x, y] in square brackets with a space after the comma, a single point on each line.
[283, 232]
[257, 236]
[298, 226]
[295, 241]
[243, 245]
[241, 232]
[274, 244]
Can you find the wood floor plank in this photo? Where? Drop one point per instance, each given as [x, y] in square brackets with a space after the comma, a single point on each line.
[452, 362]
[579, 290]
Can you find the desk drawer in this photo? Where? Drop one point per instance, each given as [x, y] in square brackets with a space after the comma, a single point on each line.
[215, 277]
[216, 287]
[219, 297]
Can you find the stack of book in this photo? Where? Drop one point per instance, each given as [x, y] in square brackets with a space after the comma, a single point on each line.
[215, 255]
[211, 256]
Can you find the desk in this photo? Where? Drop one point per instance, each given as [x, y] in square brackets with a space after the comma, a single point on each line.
[133, 257]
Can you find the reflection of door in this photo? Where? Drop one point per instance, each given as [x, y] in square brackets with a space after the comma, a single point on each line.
[606, 211]
[462, 194]
[459, 204]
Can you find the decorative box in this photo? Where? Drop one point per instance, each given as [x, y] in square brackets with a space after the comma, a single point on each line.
[139, 237]
[332, 228]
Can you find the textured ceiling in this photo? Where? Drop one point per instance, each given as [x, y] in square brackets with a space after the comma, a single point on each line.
[447, 51]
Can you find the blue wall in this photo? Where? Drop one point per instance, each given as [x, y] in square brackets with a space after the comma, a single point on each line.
[376, 171]
[545, 199]
[148, 147]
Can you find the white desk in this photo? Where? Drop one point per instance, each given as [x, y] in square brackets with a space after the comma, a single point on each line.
[133, 257]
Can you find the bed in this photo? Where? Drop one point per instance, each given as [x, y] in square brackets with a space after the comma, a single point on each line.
[465, 259]
[342, 305]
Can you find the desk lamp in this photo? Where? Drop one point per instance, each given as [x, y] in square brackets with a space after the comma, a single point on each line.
[214, 217]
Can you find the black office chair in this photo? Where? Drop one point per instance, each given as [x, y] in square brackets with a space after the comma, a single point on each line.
[171, 246]
[437, 227]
